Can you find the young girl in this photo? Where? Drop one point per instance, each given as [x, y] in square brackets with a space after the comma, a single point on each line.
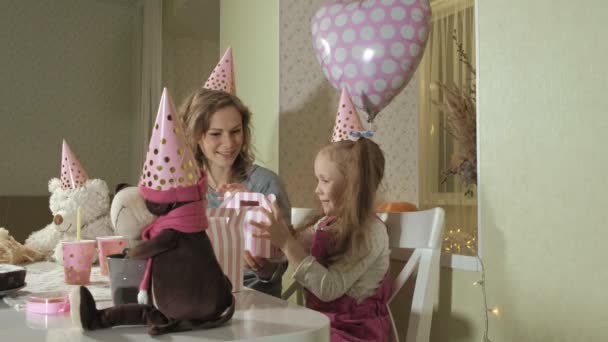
[342, 260]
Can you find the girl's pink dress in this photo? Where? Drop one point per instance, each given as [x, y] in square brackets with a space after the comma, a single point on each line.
[366, 321]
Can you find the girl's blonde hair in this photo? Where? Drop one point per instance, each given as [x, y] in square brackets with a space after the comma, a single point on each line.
[196, 112]
[362, 164]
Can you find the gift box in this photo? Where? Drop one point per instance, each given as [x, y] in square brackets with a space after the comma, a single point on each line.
[226, 234]
[249, 206]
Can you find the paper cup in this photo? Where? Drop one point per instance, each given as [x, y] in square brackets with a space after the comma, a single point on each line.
[108, 245]
[125, 276]
[77, 260]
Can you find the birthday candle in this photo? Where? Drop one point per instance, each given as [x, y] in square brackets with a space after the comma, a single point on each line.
[78, 224]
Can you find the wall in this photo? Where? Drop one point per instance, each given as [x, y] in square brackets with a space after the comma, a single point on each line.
[542, 118]
[252, 29]
[191, 33]
[308, 107]
[66, 71]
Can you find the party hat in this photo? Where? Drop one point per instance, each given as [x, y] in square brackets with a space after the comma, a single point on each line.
[170, 173]
[222, 77]
[347, 119]
[73, 174]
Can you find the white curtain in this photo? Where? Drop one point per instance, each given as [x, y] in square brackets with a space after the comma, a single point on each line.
[437, 148]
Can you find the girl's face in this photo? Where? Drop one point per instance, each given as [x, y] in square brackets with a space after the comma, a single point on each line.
[330, 182]
[222, 143]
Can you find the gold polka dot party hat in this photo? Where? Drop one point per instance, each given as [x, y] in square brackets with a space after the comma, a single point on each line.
[170, 173]
[222, 77]
[73, 174]
[347, 119]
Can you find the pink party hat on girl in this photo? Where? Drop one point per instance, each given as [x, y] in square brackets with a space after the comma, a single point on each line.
[222, 77]
[170, 173]
[347, 119]
[73, 174]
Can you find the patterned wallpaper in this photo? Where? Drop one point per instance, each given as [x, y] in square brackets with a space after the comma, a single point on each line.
[307, 112]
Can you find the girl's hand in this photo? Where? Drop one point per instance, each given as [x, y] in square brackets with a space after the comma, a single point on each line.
[232, 187]
[261, 266]
[277, 231]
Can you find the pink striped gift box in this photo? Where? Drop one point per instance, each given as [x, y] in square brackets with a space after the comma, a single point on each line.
[226, 235]
[249, 205]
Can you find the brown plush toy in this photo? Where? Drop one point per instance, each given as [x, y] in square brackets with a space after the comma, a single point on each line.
[188, 288]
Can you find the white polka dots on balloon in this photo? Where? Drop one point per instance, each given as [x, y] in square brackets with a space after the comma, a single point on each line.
[358, 17]
[367, 33]
[388, 2]
[408, 2]
[341, 20]
[357, 52]
[349, 36]
[350, 70]
[387, 32]
[407, 32]
[389, 66]
[397, 13]
[375, 99]
[332, 39]
[325, 24]
[335, 8]
[377, 14]
[369, 69]
[315, 28]
[397, 82]
[379, 84]
[368, 3]
[361, 87]
[336, 72]
[340, 55]
[352, 6]
[414, 50]
[416, 14]
[397, 49]
[321, 12]
[422, 33]
[406, 64]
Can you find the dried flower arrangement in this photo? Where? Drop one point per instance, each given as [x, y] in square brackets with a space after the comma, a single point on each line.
[459, 106]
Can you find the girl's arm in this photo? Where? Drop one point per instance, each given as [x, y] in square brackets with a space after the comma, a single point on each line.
[329, 283]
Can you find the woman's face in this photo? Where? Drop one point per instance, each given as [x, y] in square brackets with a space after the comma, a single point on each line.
[222, 143]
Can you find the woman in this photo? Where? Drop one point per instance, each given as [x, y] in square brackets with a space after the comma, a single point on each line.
[218, 127]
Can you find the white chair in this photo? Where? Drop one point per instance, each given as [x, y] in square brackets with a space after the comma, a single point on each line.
[298, 216]
[417, 236]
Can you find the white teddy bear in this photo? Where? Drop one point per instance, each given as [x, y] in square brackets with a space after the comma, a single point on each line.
[94, 201]
[129, 214]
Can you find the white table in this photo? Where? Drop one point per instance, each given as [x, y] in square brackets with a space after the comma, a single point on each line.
[258, 317]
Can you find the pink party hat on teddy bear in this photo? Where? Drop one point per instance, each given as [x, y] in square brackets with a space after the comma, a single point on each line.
[73, 174]
[347, 119]
[170, 173]
[222, 77]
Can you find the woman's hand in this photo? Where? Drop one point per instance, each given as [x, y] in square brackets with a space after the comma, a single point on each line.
[261, 266]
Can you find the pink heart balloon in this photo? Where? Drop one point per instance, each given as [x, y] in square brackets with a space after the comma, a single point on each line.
[371, 47]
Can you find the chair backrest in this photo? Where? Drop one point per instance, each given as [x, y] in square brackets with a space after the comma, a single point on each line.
[422, 232]
[299, 215]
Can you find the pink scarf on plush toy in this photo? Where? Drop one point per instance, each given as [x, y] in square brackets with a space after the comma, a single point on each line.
[189, 218]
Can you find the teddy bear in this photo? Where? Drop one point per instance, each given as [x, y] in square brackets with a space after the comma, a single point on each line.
[129, 214]
[94, 201]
